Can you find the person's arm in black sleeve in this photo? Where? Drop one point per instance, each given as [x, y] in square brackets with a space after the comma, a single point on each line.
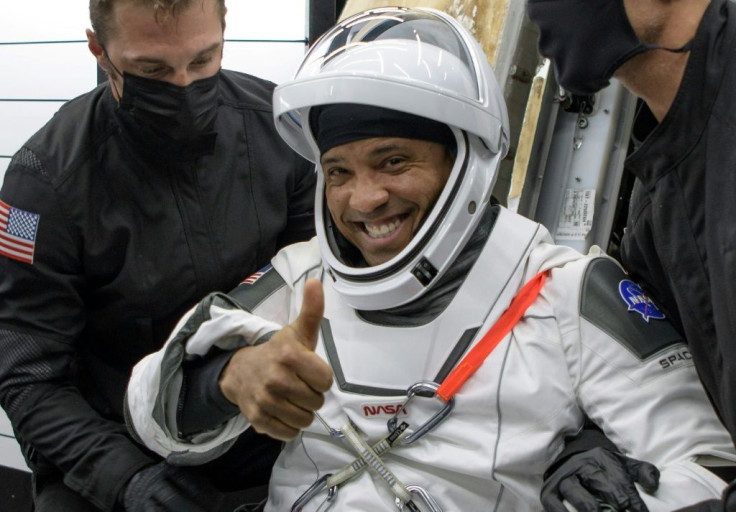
[591, 470]
[41, 316]
[589, 437]
[164, 487]
[300, 223]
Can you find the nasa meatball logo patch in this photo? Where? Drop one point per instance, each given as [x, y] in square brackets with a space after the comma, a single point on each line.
[637, 300]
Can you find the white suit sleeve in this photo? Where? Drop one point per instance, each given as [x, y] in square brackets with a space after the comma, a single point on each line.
[634, 377]
[155, 384]
[261, 305]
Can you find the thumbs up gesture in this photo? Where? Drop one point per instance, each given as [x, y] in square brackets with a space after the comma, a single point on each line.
[279, 384]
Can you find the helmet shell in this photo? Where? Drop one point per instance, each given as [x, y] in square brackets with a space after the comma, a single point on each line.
[422, 62]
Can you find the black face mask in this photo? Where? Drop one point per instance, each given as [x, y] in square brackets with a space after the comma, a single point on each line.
[587, 40]
[168, 121]
[177, 112]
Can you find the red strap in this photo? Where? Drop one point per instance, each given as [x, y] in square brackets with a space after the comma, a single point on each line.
[492, 338]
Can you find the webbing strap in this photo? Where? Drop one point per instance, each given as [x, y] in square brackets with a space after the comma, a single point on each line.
[472, 361]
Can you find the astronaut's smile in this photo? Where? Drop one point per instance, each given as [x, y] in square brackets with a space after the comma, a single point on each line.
[383, 228]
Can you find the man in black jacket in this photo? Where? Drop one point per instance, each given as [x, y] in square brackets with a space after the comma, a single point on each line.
[679, 56]
[132, 203]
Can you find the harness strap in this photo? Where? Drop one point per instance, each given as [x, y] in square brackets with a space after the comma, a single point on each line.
[490, 340]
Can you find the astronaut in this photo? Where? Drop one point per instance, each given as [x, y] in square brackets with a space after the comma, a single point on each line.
[428, 348]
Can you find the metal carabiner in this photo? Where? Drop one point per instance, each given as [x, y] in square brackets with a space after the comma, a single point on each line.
[334, 432]
[318, 486]
[424, 495]
[428, 389]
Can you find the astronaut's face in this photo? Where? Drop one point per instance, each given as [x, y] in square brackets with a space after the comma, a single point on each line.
[379, 191]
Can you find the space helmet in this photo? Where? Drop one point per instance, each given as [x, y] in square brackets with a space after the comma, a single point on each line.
[421, 62]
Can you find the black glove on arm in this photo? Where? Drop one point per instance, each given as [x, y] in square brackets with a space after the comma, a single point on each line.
[166, 488]
[598, 475]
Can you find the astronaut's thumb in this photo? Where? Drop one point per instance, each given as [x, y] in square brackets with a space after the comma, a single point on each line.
[308, 322]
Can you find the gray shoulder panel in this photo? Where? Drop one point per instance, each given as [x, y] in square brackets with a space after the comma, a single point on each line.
[617, 305]
[257, 288]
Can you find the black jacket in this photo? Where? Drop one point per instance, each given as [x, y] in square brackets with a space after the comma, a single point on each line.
[681, 235]
[125, 241]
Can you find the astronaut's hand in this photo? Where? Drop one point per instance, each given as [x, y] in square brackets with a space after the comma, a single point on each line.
[599, 475]
[279, 384]
[166, 488]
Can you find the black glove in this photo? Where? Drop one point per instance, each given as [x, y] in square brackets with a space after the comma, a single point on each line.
[166, 488]
[597, 476]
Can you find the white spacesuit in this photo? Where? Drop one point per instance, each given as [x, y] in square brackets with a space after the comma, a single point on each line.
[589, 344]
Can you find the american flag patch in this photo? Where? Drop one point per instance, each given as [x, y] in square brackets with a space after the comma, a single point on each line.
[255, 276]
[18, 233]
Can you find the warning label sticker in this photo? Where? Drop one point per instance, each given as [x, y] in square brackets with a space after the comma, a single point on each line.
[576, 218]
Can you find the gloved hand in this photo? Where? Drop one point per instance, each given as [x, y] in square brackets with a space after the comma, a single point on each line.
[166, 488]
[599, 475]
